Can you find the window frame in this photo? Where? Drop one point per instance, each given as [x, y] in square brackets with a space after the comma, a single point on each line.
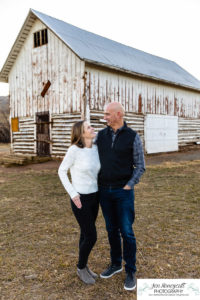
[40, 38]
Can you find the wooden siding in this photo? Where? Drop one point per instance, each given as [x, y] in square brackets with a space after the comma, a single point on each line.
[134, 121]
[74, 94]
[188, 131]
[35, 66]
[23, 140]
[139, 96]
[61, 132]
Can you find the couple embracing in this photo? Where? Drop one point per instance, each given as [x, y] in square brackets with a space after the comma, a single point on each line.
[105, 172]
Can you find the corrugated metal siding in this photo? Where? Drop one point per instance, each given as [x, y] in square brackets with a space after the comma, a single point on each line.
[134, 121]
[61, 132]
[23, 140]
[139, 96]
[189, 131]
[34, 66]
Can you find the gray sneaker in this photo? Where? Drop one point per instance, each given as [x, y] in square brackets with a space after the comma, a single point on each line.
[94, 275]
[85, 276]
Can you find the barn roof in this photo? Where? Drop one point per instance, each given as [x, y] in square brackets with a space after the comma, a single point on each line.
[99, 50]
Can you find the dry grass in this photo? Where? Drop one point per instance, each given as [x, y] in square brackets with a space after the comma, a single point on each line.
[39, 234]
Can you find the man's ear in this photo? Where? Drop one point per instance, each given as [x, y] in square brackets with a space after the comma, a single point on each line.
[119, 114]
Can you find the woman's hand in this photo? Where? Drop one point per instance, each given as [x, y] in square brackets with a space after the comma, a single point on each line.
[77, 201]
[127, 187]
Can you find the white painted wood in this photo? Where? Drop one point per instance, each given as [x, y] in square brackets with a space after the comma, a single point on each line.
[161, 133]
[134, 121]
[140, 96]
[35, 66]
[61, 132]
[71, 97]
[189, 131]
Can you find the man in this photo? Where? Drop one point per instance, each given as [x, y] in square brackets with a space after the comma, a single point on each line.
[122, 164]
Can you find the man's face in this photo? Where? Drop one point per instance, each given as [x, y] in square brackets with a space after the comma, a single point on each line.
[110, 115]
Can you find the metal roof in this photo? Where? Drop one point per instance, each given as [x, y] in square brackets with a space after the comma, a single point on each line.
[99, 50]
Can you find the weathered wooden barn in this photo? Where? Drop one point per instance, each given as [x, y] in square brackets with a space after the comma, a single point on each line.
[58, 73]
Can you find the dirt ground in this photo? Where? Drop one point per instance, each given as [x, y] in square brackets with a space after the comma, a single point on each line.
[39, 235]
[185, 154]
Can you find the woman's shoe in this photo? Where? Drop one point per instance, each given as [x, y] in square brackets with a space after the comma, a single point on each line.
[94, 275]
[85, 276]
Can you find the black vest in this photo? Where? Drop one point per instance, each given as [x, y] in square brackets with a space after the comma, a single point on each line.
[117, 159]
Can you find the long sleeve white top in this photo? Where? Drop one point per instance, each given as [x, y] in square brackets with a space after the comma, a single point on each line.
[84, 166]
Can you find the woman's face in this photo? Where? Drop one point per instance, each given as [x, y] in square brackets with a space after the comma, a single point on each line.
[88, 131]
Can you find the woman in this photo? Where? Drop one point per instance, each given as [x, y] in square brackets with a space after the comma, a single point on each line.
[83, 161]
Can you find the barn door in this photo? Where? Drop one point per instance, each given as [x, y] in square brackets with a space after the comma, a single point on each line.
[160, 133]
[42, 132]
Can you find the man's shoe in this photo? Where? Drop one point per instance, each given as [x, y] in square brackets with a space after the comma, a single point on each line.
[130, 281]
[85, 276]
[112, 269]
[94, 275]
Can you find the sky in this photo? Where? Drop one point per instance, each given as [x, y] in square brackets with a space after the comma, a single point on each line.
[166, 28]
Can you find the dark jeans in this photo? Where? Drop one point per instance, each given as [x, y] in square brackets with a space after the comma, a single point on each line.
[118, 210]
[86, 217]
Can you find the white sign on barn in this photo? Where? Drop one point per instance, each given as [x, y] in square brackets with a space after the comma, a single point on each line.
[161, 133]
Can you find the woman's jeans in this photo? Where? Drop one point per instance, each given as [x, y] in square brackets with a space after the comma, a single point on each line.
[86, 217]
[118, 211]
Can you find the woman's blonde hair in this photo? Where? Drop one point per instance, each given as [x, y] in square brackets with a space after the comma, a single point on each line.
[77, 134]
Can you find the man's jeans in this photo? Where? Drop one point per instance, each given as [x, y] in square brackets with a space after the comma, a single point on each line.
[118, 211]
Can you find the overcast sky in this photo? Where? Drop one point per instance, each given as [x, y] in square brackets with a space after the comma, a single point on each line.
[167, 28]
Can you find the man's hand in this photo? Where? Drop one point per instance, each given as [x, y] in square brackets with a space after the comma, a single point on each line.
[127, 187]
[77, 201]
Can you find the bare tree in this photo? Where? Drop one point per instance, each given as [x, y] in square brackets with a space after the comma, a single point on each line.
[4, 128]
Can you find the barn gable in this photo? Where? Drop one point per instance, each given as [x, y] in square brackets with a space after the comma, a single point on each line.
[99, 50]
[59, 74]
[102, 51]
[34, 67]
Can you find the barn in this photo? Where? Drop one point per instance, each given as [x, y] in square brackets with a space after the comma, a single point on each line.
[59, 73]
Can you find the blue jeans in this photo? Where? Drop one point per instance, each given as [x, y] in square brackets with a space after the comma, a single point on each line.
[118, 211]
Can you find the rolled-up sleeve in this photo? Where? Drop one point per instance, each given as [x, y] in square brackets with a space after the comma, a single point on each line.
[138, 162]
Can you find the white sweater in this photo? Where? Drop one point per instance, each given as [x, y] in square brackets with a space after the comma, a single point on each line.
[84, 166]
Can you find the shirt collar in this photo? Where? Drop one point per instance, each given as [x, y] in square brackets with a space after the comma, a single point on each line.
[119, 129]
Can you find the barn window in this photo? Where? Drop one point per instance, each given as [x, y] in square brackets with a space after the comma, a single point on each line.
[40, 38]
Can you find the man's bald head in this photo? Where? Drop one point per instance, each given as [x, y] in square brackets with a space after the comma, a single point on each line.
[116, 107]
[113, 114]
